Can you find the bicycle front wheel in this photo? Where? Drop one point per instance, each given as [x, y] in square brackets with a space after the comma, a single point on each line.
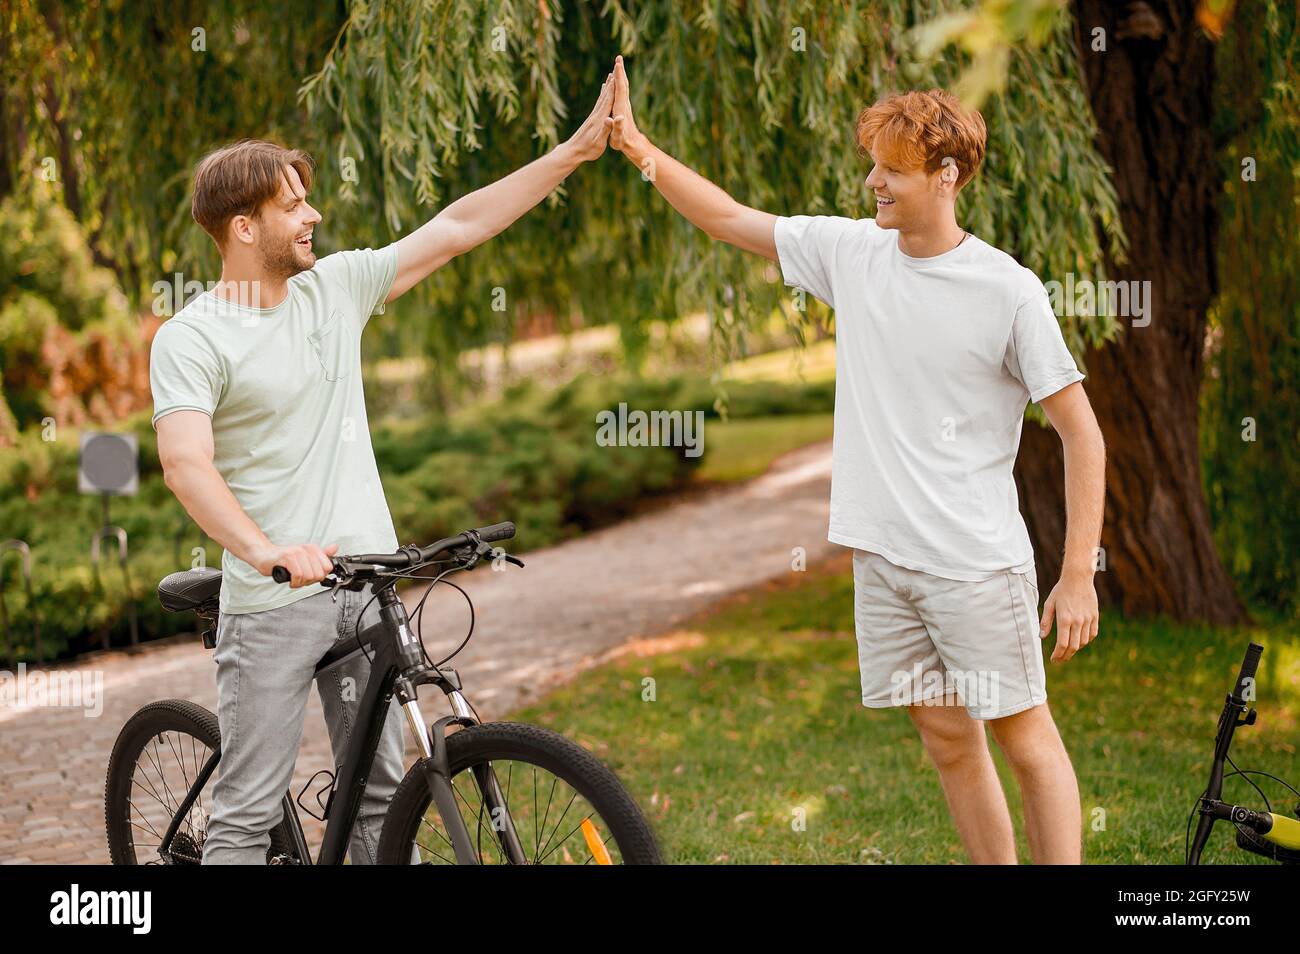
[562, 803]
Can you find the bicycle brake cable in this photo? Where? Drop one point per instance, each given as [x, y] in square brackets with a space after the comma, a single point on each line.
[1258, 791]
[418, 615]
[407, 574]
[1187, 846]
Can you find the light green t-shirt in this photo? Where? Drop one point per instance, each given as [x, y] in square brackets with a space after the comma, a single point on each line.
[283, 388]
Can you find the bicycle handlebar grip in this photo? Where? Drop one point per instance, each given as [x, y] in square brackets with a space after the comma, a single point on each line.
[281, 574]
[498, 531]
[1248, 667]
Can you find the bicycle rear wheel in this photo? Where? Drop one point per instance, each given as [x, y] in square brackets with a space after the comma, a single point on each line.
[565, 805]
[157, 757]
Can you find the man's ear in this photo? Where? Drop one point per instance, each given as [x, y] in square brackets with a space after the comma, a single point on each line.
[240, 230]
[948, 171]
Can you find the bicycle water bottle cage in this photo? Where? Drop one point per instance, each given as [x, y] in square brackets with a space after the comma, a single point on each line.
[321, 802]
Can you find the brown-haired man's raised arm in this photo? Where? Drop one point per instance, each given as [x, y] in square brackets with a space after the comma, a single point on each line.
[696, 198]
[473, 219]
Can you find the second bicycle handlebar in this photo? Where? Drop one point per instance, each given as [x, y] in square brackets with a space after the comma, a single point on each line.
[411, 555]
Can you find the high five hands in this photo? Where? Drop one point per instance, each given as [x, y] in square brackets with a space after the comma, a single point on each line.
[610, 120]
[622, 127]
[588, 142]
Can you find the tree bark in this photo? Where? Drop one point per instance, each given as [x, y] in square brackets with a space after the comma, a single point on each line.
[1152, 98]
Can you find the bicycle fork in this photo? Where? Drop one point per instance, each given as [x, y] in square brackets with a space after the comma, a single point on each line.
[433, 750]
[432, 745]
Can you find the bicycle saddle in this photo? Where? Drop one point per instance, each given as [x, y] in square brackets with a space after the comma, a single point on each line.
[189, 589]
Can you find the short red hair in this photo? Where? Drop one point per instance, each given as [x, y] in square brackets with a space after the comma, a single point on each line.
[919, 129]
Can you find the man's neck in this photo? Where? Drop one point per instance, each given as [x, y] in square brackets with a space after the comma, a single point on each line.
[932, 240]
[250, 287]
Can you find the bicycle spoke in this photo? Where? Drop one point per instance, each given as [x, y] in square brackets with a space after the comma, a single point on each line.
[146, 827]
[542, 828]
[162, 775]
[152, 801]
[153, 793]
[478, 814]
[444, 860]
[536, 846]
[570, 834]
[560, 821]
[433, 829]
[185, 775]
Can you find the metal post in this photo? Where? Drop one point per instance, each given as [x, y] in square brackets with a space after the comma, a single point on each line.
[120, 534]
[25, 552]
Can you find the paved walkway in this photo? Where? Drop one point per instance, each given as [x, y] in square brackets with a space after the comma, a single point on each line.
[535, 628]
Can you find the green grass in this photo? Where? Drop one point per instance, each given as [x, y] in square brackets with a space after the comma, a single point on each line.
[740, 449]
[757, 713]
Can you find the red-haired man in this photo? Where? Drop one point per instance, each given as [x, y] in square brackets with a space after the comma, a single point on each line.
[941, 341]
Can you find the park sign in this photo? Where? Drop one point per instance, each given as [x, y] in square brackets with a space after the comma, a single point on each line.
[109, 464]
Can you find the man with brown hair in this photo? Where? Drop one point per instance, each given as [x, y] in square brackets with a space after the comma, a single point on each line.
[941, 341]
[263, 437]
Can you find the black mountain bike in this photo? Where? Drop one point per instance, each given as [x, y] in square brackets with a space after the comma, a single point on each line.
[494, 793]
[1266, 833]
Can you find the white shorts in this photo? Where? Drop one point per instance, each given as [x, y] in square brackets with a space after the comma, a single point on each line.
[921, 637]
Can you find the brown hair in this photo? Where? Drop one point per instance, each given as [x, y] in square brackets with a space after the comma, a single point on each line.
[919, 129]
[237, 179]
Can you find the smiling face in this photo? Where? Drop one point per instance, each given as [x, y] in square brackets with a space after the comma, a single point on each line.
[251, 197]
[913, 139]
[905, 199]
[282, 229]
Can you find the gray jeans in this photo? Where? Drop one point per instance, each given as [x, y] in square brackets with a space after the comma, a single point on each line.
[265, 665]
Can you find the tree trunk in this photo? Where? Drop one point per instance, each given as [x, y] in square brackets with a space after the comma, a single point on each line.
[1151, 94]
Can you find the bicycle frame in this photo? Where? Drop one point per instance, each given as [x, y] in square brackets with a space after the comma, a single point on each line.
[397, 668]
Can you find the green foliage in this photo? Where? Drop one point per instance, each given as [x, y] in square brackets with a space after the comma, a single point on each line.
[39, 503]
[759, 98]
[1252, 472]
[142, 89]
[48, 282]
[989, 34]
[425, 100]
[532, 457]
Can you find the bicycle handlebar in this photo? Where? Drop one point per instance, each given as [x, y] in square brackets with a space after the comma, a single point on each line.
[411, 555]
[1248, 667]
[1210, 808]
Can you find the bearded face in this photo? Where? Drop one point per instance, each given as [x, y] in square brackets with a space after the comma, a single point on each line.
[284, 232]
[285, 251]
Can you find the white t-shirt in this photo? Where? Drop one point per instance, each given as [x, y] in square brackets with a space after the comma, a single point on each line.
[936, 359]
[289, 427]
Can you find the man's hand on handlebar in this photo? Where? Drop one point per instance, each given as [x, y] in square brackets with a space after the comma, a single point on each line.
[307, 563]
[314, 563]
